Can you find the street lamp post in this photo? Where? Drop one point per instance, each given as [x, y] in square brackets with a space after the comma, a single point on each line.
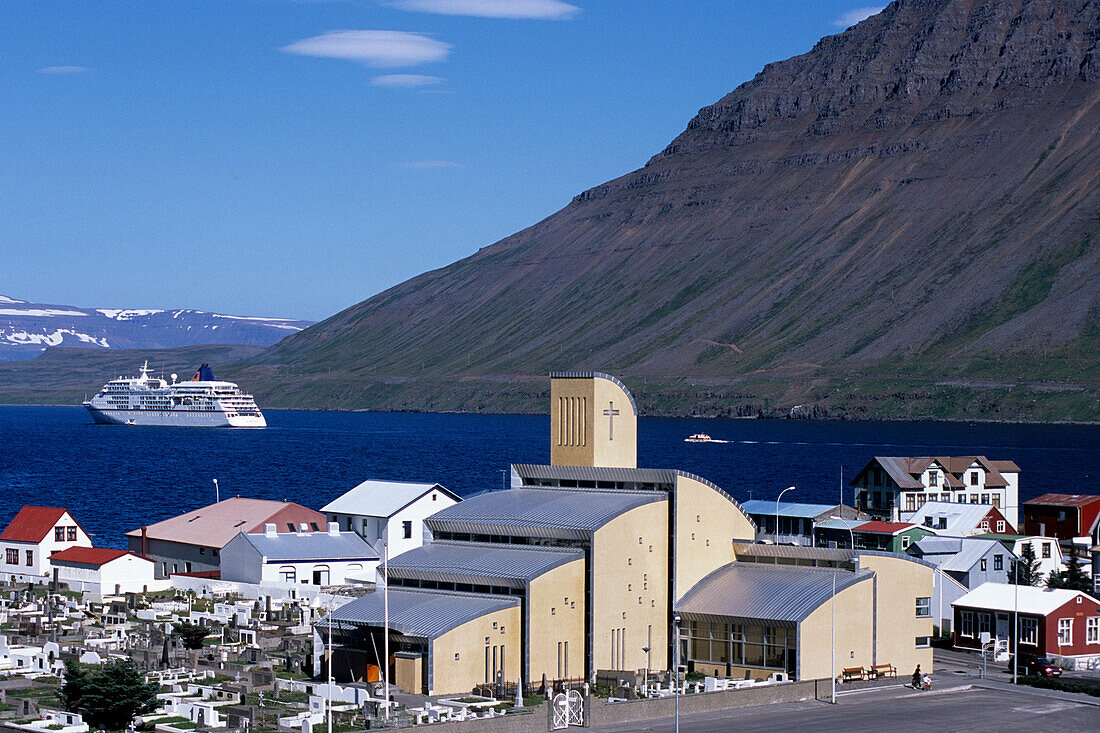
[1015, 618]
[645, 688]
[784, 491]
[832, 643]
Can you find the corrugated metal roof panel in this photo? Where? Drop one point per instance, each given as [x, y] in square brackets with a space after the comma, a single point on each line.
[467, 562]
[787, 508]
[766, 594]
[597, 473]
[424, 614]
[312, 546]
[832, 554]
[665, 479]
[552, 513]
[382, 498]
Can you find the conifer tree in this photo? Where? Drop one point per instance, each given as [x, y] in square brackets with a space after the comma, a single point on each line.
[108, 696]
[1025, 570]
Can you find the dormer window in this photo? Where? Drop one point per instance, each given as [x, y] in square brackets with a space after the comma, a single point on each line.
[933, 478]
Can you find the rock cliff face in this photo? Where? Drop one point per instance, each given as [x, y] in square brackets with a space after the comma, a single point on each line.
[918, 195]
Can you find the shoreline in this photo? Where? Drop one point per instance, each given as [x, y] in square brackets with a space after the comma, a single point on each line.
[825, 419]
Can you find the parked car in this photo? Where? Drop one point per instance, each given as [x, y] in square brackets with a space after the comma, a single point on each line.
[1030, 664]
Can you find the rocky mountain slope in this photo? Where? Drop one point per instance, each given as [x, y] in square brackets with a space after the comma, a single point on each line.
[901, 222]
[26, 329]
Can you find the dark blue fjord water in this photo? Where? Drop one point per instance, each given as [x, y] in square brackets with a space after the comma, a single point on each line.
[116, 478]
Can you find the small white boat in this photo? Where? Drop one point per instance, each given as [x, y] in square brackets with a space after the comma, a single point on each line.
[698, 438]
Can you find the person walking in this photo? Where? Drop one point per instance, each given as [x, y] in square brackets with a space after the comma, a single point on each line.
[916, 678]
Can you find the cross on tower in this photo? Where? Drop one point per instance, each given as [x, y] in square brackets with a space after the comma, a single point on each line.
[611, 412]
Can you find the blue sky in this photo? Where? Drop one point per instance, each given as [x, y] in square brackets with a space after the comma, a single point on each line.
[292, 158]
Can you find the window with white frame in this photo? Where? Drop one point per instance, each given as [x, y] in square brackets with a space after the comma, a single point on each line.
[966, 623]
[1000, 525]
[1046, 550]
[1092, 630]
[924, 607]
[1029, 630]
[1065, 631]
[288, 574]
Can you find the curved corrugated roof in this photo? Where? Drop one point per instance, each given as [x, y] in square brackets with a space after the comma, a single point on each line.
[423, 614]
[545, 513]
[756, 594]
[663, 478]
[479, 563]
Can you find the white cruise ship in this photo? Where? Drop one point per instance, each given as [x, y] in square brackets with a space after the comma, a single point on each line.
[199, 402]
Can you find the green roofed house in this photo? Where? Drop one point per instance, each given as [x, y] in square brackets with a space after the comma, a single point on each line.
[888, 536]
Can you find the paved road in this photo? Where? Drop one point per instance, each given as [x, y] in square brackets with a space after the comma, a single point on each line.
[892, 709]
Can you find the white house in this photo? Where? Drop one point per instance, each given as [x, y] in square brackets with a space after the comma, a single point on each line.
[390, 510]
[299, 558]
[101, 572]
[959, 520]
[36, 533]
[1047, 552]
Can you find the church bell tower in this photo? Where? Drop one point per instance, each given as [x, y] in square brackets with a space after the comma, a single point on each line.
[594, 421]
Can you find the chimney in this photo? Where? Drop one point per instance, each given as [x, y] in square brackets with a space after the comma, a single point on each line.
[269, 530]
[334, 528]
[144, 540]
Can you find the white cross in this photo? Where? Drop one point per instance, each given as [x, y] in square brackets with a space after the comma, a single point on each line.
[611, 412]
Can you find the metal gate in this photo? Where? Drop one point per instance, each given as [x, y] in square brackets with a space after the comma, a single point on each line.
[567, 710]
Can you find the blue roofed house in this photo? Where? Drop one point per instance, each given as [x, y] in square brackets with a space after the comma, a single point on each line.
[797, 522]
[969, 560]
[292, 559]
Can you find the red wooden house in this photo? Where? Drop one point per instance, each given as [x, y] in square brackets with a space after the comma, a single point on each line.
[1063, 516]
[1060, 622]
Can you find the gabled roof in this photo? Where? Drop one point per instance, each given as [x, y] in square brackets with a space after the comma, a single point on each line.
[550, 513]
[484, 564]
[292, 546]
[960, 517]
[1076, 500]
[904, 470]
[956, 554]
[1030, 600]
[383, 498]
[93, 556]
[753, 593]
[216, 524]
[32, 524]
[890, 528]
[417, 613]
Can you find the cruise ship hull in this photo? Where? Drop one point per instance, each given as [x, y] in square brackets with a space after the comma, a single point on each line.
[175, 418]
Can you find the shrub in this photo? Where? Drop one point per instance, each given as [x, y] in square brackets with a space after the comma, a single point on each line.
[1054, 683]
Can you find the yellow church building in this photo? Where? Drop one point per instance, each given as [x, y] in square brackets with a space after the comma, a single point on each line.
[582, 567]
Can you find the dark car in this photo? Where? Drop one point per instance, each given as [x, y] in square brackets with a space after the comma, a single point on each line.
[1042, 666]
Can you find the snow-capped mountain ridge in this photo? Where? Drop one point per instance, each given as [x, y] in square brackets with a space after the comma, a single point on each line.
[26, 329]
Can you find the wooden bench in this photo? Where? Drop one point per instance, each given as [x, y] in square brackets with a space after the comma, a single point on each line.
[853, 673]
[884, 670]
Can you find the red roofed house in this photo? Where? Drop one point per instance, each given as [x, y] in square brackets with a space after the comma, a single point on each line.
[192, 542]
[1064, 516]
[888, 536]
[102, 572]
[32, 537]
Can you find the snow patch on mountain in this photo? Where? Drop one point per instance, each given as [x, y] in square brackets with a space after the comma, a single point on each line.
[39, 312]
[124, 314]
[56, 338]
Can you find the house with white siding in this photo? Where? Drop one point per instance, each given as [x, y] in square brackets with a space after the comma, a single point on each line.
[390, 513]
[294, 559]
[32, 536]
[102, 572]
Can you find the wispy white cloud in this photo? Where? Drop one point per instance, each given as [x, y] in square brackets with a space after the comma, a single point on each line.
[62, 70]
[534, 9]
[855, 15]
[373, 48]
[405, 80]
[429, 165]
